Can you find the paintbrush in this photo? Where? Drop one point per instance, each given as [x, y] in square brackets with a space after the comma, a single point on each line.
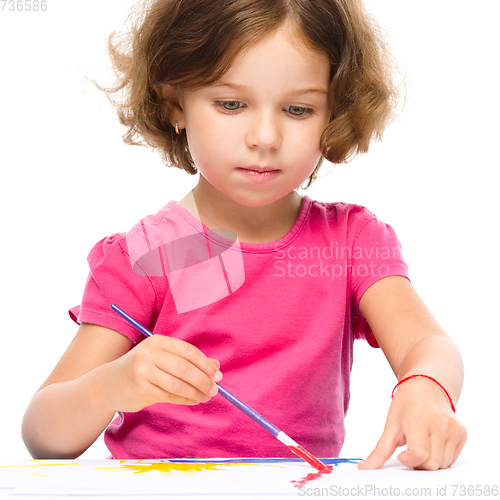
[271, 428]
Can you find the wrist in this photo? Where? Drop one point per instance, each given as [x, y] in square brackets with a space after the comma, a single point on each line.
[99, 391]
[425, 381]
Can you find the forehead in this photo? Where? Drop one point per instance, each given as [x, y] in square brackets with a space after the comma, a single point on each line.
[279, 60]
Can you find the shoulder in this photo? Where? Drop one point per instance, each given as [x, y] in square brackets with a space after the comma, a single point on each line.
[154, 246]
[350, 224]
[339, 214]
[139, 234]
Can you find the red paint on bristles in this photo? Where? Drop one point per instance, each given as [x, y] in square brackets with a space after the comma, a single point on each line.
[310, 459]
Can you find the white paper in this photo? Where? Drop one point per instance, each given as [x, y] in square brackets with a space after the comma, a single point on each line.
[57, 479]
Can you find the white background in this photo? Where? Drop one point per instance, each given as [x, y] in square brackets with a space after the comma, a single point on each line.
[67, 180]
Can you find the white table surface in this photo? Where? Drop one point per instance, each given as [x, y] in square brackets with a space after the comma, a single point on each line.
[132, 479]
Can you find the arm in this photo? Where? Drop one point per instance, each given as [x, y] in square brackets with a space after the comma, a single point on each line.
[99, 375]
[420, 414]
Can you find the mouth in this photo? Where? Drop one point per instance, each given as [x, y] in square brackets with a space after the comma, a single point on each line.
[259, 174]
[260, 170]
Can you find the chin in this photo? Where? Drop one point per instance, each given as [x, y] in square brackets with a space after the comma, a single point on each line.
[258, 201]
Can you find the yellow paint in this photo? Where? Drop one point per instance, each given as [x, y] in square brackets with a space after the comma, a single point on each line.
[141, 466]
[167, 468]
[32, 465]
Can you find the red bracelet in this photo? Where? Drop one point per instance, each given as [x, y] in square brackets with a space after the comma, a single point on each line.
[430, 378]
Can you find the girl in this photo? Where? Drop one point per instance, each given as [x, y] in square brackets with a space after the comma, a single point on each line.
[243, 276]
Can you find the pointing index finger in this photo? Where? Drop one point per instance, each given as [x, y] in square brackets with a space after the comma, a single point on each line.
[386, 446]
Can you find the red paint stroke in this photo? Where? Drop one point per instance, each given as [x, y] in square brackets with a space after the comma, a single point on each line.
[310, 459]
[312, 476]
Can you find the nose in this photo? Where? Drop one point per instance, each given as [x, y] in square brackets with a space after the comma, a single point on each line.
[264, 131]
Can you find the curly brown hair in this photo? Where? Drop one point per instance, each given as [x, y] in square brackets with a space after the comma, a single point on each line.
[191, 43]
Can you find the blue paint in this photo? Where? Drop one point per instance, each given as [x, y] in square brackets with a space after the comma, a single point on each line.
[257, 460]
[268, 426]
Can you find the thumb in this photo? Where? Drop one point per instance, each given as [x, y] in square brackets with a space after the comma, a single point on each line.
[386, 446]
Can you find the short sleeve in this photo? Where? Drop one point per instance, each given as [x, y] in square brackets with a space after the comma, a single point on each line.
[376, 254]
[112, 280]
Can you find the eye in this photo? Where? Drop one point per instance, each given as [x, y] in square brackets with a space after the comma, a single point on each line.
[229, 105]
[299, 111]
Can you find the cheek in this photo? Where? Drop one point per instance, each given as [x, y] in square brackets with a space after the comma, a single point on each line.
[197, 135]
[307, 159]
[306, 145]
[202, 139]
[212, 143]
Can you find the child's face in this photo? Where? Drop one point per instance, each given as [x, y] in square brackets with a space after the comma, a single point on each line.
[268, 111]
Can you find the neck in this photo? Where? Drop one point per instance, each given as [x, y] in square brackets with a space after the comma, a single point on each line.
[260, 224]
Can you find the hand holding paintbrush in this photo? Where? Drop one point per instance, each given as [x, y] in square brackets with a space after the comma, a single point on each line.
[272, 429]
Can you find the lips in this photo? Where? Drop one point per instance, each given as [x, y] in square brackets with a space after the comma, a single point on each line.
[259, 169]
[259, 174]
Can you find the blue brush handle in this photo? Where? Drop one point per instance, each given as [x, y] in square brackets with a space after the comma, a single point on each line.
[132, 321]
[249, 411]
[271, 428]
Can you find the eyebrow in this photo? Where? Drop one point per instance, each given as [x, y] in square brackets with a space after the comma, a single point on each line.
[315, 90]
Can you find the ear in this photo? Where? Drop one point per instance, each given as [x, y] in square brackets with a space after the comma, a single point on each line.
[171, 98]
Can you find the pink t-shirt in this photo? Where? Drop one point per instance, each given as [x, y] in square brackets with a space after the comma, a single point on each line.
[280, 317]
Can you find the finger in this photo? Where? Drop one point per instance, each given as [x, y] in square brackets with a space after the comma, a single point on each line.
[460, 446]
[178, 388]
[418, 449]
[191, 354]
[185, 379]
[386, 446]
[159, 395]
[454, 447]
[216, 363]
[438, 445]
[449, 453]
